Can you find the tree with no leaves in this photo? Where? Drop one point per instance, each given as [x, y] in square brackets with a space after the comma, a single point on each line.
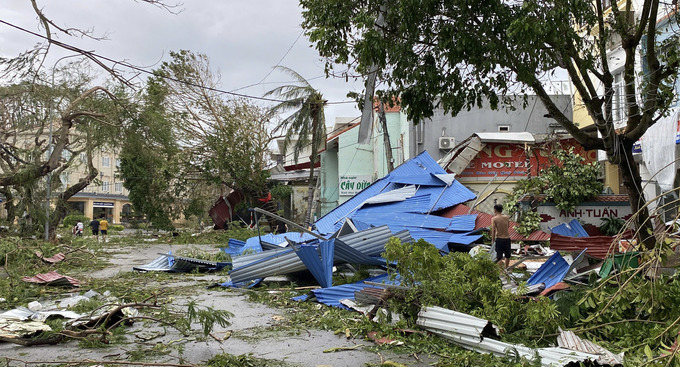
[306, 126]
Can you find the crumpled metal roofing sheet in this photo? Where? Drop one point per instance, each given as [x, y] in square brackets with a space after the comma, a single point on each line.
[470, 333]
[420, 179]
[422, 164]
[53, 278]
[278, 239]
[392, 196]
[393, 219]
[161, 263]
[284, 261]
[319, 260]
[569, 340]
[552, 271]
[52, 259]
[464, 238]
[186, 264]
[419, 203]
[571, 229]
[598, 246]
[462, 223]
[331, 296]
[237, 247]
[345, 253]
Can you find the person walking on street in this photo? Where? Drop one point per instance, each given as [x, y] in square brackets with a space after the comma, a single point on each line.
[500, 224]
[79, 228]
[103, 227]
[94, 225]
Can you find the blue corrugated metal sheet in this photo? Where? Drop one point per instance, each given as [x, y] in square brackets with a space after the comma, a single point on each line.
[464, 238]
[386, 216]
[331, 296]
[421, 165]
[278, 239]
[419, 179]
[552, 271]
[237, 247]
[361, 226]
[571, 229]
[420, 203]
[462, 223]
[439, 239]
[319, 261]
[345, 253]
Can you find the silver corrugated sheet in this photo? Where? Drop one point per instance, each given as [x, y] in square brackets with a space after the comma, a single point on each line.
[469, 332]
[370, 242]
[569, 340]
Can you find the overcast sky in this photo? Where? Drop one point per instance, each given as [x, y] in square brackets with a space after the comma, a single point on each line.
[244, 39]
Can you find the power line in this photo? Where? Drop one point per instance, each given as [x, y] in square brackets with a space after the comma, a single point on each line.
[95, 57]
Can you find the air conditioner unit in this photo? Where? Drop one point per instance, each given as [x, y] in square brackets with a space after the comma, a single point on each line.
[447, 142]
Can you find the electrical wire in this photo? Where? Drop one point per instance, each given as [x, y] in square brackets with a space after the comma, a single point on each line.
[144, 71]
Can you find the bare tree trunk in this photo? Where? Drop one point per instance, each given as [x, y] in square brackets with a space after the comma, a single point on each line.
[633, 183]
[386, 138]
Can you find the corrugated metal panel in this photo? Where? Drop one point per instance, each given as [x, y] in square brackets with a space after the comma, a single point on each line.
[392, 196]
[160, 264]
[53, 278]
[237, 248]
[569, 340]
[462, 223]
[419, 203]
[598, 246]
[571, 229]
[420, 179]
[278, 239]
[331, 296]
[393, 219]
[345, 253]
[553, 270]
[284, 261]
[464, 238]
[51, 260]
[422, 164]
[318, 260]
[470, 333]
[439, 239]
[458, 323]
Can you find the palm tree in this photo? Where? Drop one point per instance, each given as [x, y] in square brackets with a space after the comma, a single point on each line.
[307, 123]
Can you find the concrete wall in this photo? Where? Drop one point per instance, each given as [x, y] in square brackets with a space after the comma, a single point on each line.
[531, 118]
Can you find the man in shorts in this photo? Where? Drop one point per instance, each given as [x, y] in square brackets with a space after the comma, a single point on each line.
[500, 234]
[103, 227]
[94, 225]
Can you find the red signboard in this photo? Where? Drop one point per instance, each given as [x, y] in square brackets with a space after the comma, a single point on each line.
[514, 159]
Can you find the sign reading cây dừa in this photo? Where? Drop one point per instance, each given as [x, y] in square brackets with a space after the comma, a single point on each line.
[350, 185]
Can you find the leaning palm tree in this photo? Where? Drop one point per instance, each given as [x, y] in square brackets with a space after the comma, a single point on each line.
[305, 126]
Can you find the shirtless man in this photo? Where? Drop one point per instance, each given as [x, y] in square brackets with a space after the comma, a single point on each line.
[499, 233]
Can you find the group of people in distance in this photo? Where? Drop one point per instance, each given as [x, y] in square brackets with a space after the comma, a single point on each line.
[97, 225]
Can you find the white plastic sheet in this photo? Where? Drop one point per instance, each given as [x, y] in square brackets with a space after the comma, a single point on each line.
[658, 150]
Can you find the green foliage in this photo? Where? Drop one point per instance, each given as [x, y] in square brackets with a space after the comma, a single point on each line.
[281, 192]
[572, 180]
[72, 220]
[467, 284]
[243, 360]
[529, 221]
[611, 226]
[116, 227]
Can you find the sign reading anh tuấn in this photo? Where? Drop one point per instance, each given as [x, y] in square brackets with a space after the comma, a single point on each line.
[351, 185]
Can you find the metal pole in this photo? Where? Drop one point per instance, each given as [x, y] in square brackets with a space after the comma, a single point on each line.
[303, 229]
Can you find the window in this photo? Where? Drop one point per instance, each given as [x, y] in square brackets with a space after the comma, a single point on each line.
[106, 161]
[503, 128]
[420, 133]
[119, 187]
[83, 157]
[105, 185]
[117, 162]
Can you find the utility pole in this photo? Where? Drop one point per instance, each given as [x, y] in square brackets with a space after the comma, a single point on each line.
[386, 138]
